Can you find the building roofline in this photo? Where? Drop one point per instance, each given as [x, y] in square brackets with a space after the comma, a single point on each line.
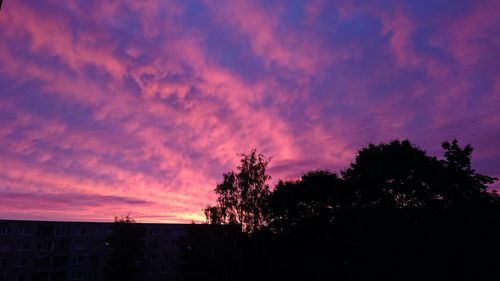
[93, 222]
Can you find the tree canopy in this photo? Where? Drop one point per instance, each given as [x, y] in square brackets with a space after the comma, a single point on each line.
[127, 243]
[242, 195]
[394, 213]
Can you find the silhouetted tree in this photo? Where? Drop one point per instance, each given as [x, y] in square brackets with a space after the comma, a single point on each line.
[210, 252]
[303, 216]
[462, 182]
[126, 261]
[242, 195]
[394, 175]
[308, 203]
[395, 213]
[416, 214]
[401, 175]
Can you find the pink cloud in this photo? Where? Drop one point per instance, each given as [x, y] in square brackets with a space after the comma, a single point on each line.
[158, 118]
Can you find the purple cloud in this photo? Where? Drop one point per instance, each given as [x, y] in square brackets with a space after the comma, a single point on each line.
[143, 105]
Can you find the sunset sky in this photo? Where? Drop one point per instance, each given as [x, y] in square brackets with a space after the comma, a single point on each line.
[111, 107]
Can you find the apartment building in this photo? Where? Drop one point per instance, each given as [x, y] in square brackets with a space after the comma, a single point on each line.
[77, 251]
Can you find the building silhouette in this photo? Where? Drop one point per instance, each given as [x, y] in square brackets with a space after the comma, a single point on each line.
[59, 251]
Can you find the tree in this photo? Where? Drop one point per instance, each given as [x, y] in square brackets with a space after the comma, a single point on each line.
[462, 182]
[396, 210]
[242, 195]
[398, 174]
[395, 213]
[420, 214]
[127, 244]
[307, 204]
[210, 252]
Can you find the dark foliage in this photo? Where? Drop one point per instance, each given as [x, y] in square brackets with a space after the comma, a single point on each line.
[309, 204]
[126, 261]
[242, 195]
[211, 252]
[395, 213]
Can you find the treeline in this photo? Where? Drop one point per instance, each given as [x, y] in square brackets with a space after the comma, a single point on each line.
[394, 213]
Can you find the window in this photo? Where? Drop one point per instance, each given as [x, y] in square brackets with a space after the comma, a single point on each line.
[63, 231]
[3, 263]
[78, 260]
[60, 261]
[79, 246]
[96, 245]
[61, 245]
[153, 232]
[41, 276]
[153, 244]
[164, 269]
[4, 247]
[42, 262]
[22, 262]
[76, 276]
[23, 247]
[164, 257]
[4, 230]
[46, 230]
[152, 257]
[94, 260]
[24, 231]
[45, 246]
[79, 231]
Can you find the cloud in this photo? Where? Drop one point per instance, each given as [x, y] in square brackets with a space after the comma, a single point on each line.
[152, 101]
[66, 201]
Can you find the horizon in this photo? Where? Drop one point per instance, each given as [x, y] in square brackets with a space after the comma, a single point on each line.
[139, 107]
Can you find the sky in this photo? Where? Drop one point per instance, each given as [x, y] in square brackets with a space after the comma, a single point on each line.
[116, 107]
